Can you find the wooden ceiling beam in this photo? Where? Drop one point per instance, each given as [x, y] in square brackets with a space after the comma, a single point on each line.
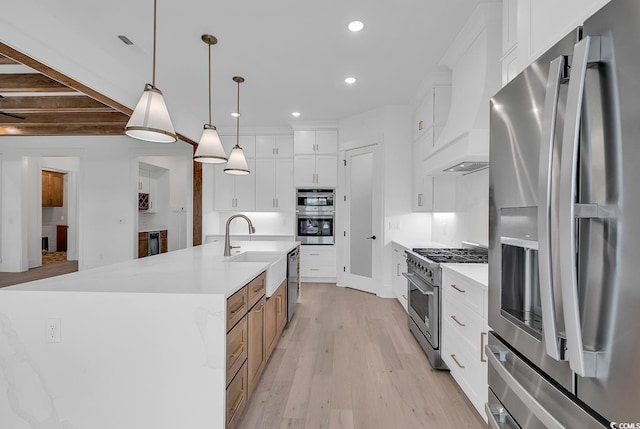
[30, 82]
[18, 56]
[71, 103]
[62, 130]
[66, 118]
[6, 60]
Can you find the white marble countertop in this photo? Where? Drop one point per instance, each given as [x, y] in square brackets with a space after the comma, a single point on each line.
[195, 270]
[479, 273]
[153, 228]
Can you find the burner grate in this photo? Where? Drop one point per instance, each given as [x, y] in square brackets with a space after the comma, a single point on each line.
[466, 256]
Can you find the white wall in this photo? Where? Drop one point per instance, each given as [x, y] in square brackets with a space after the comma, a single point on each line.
[107, 192]
[470, 221]
[390, 126]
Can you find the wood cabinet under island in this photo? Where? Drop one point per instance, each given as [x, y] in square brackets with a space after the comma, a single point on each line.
[143, 343]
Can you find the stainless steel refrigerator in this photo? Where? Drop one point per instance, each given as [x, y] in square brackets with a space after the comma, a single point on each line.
[564, 246]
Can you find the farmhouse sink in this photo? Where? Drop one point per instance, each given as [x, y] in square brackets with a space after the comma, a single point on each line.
[276, 271]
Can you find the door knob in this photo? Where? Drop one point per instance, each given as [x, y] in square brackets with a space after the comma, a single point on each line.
[373, 237]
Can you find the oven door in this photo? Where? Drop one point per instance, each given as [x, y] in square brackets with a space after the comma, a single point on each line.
[315, 200]
[315, 228]
[423, 307]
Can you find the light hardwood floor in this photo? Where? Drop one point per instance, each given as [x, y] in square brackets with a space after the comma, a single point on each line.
[348, 360]
[8, 279]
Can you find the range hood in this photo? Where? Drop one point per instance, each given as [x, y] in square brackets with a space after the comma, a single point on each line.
[474, 59]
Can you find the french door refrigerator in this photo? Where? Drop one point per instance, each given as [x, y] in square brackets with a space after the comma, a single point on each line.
[564, 246]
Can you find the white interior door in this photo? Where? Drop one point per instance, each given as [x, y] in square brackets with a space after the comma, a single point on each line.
[363, 251]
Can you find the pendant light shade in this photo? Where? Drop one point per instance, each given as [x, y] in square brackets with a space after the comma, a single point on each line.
[150, 119]
[237, 163]
[210, 148]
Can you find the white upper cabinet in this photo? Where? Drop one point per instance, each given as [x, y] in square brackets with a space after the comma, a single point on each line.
[316, 160]
[274, 146]
[274, 185]
[316, 142]
[235, 193]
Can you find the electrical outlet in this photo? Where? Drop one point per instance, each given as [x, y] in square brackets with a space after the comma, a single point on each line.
[53, 331]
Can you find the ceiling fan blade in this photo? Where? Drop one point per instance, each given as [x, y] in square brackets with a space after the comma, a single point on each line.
[13, 115]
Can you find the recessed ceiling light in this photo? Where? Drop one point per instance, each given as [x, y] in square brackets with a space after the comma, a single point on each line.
[295, 114]
[355, 26]
[235, 114]
[350, 80]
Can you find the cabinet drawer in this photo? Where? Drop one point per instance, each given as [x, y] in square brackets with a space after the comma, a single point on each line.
[466, 368]
[256, 289]
[318, 270]
[236, 396]
[236, 307]
[236, 348]
[317, 255]
[465, 291]
[464, 323]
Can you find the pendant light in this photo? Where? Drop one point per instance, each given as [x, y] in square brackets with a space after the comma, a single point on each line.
[210, 148]
[237, 163]
[150, 119]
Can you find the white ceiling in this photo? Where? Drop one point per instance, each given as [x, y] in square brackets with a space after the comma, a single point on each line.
[294, 54]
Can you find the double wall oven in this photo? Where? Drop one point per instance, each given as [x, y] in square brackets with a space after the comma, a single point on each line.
[315, 215]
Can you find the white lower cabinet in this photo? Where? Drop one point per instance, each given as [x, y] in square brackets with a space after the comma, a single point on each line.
[317, 262]
[399, 266]
[464, 334]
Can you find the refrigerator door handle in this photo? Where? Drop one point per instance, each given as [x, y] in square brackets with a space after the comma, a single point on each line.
[582, 362]
[496, 355]
[553, 342]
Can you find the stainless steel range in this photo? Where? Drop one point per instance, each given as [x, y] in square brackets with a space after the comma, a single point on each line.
[424, 291]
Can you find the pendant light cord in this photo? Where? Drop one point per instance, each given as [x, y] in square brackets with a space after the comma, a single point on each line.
[238, 118]
[209, 84]
[153, 79]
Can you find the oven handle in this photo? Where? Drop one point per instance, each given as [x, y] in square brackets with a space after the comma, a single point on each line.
[410, 277]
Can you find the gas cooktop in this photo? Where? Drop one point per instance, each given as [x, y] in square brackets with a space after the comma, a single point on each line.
[465, 256]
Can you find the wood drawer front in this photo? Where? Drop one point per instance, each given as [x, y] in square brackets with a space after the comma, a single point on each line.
[236, 348]
[256, 289]
[465, 324]
[236, 307]
[466, 291]
[236, 397]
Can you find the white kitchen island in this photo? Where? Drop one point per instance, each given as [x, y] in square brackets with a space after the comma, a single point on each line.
[139, 344]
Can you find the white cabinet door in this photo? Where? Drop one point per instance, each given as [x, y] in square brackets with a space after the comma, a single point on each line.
[265, 146]
[326, 170]
[224, 185]
[305, 170]
[143, 181]
[245, 189]
[265, 184]
[327, 142]
[284, 187]
[304, 142]
[399, 261]
[284, 146]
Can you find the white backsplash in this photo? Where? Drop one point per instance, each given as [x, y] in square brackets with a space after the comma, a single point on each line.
[264, 222]
[470, 221]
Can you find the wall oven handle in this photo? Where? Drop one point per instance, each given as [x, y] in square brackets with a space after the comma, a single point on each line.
[410, 277]
[582, 362]
[497, 355]
[549, 319]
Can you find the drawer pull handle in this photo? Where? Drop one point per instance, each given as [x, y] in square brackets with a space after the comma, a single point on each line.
[314, 254]
[405, 297]
[483, 335]
[455, 319]
[238, 308]
[257, 289]
[314, 269]
[236, 404]
[458, 289]
[238, 350]
[456, 360]
[261, 308]
[279, 304]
